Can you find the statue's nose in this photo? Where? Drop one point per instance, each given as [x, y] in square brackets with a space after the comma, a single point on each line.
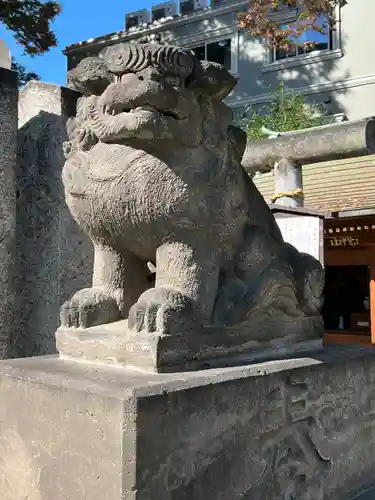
[137, 89]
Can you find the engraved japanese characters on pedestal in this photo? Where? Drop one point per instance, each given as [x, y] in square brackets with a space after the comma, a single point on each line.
[153, 175]
[294, 467]
[270, 448]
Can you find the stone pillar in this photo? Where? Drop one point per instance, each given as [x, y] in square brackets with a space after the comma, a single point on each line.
[8, 161]
[55, 257]
[288, 184]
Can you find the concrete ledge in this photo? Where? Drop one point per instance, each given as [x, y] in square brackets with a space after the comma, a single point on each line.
[302, 428]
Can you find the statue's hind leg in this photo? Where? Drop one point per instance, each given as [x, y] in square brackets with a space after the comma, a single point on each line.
[280, 292]
[118, 281]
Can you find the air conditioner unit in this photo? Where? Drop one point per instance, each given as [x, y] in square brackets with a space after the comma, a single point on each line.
[166, 9]
[137, 18]
[190, 6]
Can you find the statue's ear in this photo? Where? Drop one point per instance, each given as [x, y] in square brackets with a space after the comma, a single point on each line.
[91, 76]
[212, 79]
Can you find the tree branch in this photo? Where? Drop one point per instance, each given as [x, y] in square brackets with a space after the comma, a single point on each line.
[30, 22]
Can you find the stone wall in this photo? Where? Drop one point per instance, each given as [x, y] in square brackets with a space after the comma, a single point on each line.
[54, 257]
[8, 161]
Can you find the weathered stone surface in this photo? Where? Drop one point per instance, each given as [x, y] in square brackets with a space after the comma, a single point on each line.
[54, 256]
[299, 429]
[113, 344]
[153, 174]
[8, 162]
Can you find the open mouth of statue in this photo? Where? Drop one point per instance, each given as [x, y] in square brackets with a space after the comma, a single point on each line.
[146, 108]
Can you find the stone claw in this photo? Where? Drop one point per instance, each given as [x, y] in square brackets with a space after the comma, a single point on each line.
[90, 307]
[161, 311]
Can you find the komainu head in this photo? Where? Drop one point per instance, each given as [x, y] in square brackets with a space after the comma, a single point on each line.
[145, 92]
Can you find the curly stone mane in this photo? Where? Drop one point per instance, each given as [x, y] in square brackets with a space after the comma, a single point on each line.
[132, 58]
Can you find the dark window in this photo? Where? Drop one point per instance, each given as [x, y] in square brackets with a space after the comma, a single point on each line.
[219, 52]
[200, 52]
[346, 298]
[131, 22]
[319, 41]
[187, 7]
[158, 14]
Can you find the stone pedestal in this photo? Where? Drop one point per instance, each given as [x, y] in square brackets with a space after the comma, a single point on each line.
[302, 429]
[113, 344]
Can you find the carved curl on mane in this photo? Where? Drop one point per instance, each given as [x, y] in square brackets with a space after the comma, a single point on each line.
[134, 57]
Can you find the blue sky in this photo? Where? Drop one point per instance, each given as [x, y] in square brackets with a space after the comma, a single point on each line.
[79, 20]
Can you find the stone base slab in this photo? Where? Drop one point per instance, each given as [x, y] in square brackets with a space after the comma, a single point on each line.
[302, 428]
[111, 344]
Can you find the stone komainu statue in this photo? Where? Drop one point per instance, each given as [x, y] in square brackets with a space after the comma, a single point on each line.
[153, 175]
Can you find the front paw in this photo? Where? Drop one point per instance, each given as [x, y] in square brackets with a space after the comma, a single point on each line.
[162, 311]
[91, 307]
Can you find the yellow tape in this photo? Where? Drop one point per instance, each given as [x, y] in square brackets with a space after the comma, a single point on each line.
[290, 194]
